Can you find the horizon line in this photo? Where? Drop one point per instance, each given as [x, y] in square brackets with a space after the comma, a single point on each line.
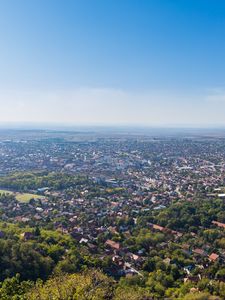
[44, 126]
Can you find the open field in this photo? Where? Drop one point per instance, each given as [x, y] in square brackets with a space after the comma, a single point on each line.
[22, 197]
[6, 192]
[25, 197]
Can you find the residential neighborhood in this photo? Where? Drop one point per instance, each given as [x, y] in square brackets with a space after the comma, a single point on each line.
[131, 203]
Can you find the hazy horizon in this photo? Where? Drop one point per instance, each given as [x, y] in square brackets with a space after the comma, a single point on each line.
[96, 126]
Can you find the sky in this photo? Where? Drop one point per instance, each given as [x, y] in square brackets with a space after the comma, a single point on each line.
[113, 62]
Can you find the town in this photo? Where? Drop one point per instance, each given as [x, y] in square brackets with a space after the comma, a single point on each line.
[134, 204]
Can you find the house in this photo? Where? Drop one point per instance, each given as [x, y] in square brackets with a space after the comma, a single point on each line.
[76, 235]
[192, 279]
[185, 247]
[221, 195]
[113, 230]
[83, 241]
[27, 236]
[213, 257]
[42, 190]
[133, 257]
[188, 269]
[158, 227]
[167, 261]
[199, 252]
[218, 224]
[118, 260]
[112, 244]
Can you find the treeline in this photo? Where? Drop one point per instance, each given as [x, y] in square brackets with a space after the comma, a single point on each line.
[23, 182]
[43, 253]
[94, 285]
[190, 215]
[38, 257]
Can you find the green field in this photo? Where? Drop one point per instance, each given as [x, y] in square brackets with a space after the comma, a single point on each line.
[21, 197]
[6, 192]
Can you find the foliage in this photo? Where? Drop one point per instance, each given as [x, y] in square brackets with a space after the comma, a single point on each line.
[92, 285]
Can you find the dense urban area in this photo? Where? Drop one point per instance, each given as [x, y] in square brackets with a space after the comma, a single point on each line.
[88, 215]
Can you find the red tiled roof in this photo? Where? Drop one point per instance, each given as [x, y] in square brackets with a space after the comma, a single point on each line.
[213, 257]
[155, 226]
[198, 251]
[218, 224]
[112, 244]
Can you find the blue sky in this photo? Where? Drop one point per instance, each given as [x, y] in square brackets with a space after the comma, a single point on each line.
[155, 62]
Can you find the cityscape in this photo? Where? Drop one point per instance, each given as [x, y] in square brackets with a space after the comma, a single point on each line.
[127, 204]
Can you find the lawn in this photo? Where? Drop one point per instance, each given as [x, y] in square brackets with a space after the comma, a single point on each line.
[5, 192]
[21, 197]
[25, 197]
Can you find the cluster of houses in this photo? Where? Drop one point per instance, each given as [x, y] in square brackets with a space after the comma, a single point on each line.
[127, 178]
